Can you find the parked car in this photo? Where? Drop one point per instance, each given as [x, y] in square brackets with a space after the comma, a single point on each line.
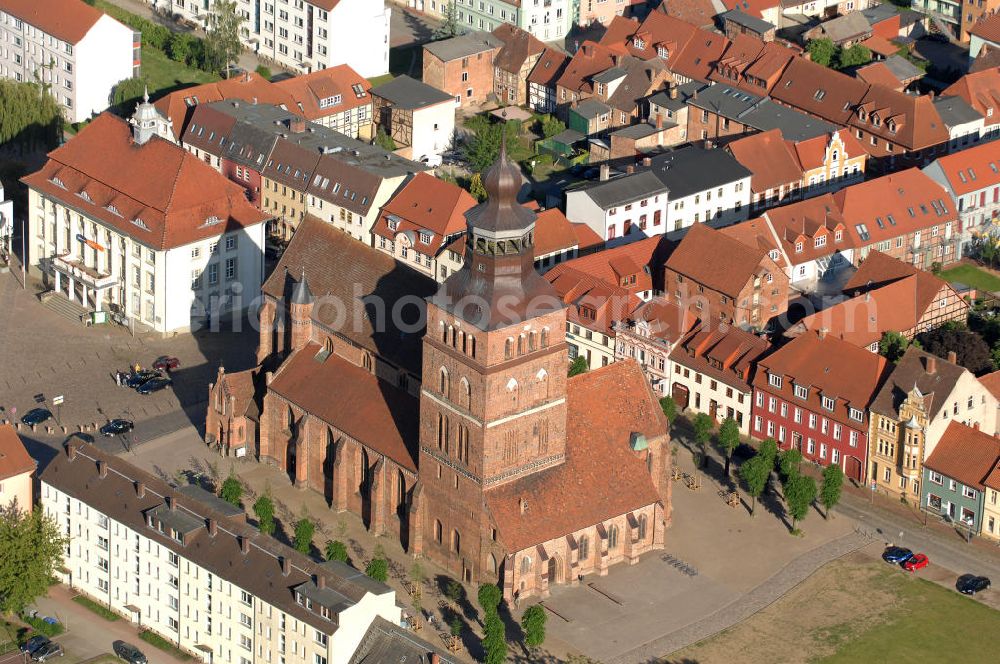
[117, 427]
[166, 363]
[137, 378]
[896, 555]
[153, 385]
[970, 584]
[34, 643]
[48, 651]
[915, 562]
[128, 652]
[36, 416]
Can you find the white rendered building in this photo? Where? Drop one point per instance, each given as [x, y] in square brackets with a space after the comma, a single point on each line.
[76, 51]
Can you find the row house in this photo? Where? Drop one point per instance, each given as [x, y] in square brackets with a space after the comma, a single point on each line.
[635, 141]
[906, 300]
[700, 13]
[812, 394]
[784, 169]
[719, 278]
[575, 82]
[894, 72]
[76, 51]
[122, 220]
[921, 399]
[844, 31]
[752, 64]
[419, 118]
[649, 336]
[293, 168]
[462, 66]
[958, 476]
[965, 124]
[513, 63]
[619, 96]
[550, 21]
[713, 372]
[603, 11]
[665, 193]
[543, 80]
[981, 91]
[305, 35]
[420, 221]
[17, 476]
[737, 22]
[972, 179]
[188, 569]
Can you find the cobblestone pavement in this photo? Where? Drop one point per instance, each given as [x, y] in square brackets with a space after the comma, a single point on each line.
[45, 355]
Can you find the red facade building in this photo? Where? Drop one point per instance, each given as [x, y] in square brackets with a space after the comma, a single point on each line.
[813, 394]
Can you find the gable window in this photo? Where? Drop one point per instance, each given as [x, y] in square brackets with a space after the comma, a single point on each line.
[828, 403]
[774, 380]
[855, 414]
[802, 392]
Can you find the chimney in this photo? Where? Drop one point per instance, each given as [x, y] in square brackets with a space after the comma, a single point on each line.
[821, 333]
[170, 502]
[268, 377]
[673, 92]
[588, 50]
[630, 169]
[213, 527]
[952, 357]
[286, 566]
[71, 449]
[102, 469]
[694, 94]
[244, 544]
[709, 144]
[616, 58]
[320, 581]
[930, 364]
[647, 161]
[140, 489]
[605, 172]
[296, 125]
[659, 120]
[434, 658]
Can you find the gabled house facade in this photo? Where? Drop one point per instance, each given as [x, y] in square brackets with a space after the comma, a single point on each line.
[955, 473]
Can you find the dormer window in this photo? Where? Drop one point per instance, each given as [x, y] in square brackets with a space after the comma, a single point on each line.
[828, 403]
[774, 380]
[663, 52]
[327, 102]
[838, 236]
[862, 115]
[639, 43]
[820, 241]
[773, 254]
[855, 414]
[891, 124]
[798, 247]
[393, 224]
[802, 392]
[113, 210]
[425, 237]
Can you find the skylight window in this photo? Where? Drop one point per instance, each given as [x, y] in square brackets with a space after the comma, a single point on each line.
[862, 232]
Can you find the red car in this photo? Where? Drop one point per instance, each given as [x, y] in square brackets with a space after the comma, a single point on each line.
[166, 363]
[916, 561]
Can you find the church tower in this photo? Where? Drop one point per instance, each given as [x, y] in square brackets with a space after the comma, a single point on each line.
[493, 396]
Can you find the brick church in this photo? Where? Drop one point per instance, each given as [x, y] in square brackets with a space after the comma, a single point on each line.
[443, 415]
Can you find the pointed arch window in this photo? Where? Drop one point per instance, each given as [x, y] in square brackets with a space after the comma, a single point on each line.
[508, 349]
[437, 531]
[445, 383]
[533, 341]
[526, 565]
[456, 542]
[463, 443]
[520, 345]
[584, 547]
[466, 394]
[612, 537]
[545, 337]
[643, 521]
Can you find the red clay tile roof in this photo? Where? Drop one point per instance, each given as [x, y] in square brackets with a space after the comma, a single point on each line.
[14, 459]
[723, 352]
[715, 260]
[601, 478]
[667, 320]
[752, 64]
[879, 270]
[428, 204]
[68, 20]
[757, 234]
[770, 158]
[549, 68]
[991, 382]
[162, 195]
[972, 169]
[242, 385]
[554, 232]
[981, 90]
[252, 87]
[593, 303]
[819, 90]
[988, 58]
[881, 45]
[965, 454]
[911, 372]
[691, 52]
[642, 254]
[618, 32]
[894, 205]
[365, 408]
[518, 46]
[802, 221]
[752, 7]
[589, 60]
[987, 28]
[829, 367]
[909, 120]
[877, 72]
[700, 13]
[308, 89]
[812, 152]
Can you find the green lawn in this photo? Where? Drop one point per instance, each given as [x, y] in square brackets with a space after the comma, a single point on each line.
[972, 276]
[929, 623]
[164, 75]
[158, 641]
[99, 609]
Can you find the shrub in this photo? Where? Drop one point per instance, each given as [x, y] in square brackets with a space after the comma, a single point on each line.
[264, 72]
[44, 628]
[336, 550]
[378, 569]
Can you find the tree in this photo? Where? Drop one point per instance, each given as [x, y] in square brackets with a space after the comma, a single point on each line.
[578, 366]
[729, 439]
[971, 350]
[855, 55]
[384, 140]
[476, 187]
[28, 118]
[263, 72]
[222, 42]
[755, 472]
[833, 483]
[263, 507]
[483, 149]
[450, 27]
[455, 626]
[702, 434]
[789, 462]
[533, 624]
[31, 546]
[892, 346]
[126, 94]
[821, 51]
[336, 550]
[179, 46]
[304, 530]
[494, 640]
[669, 407]
[800, 492]
[551, 126]
[489, 597]
[378, 569]
[769, 450]
[232, 490]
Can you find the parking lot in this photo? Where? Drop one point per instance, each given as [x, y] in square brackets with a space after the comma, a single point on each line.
[45, 356]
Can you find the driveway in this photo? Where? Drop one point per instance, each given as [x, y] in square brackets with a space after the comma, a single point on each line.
[87, 634]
